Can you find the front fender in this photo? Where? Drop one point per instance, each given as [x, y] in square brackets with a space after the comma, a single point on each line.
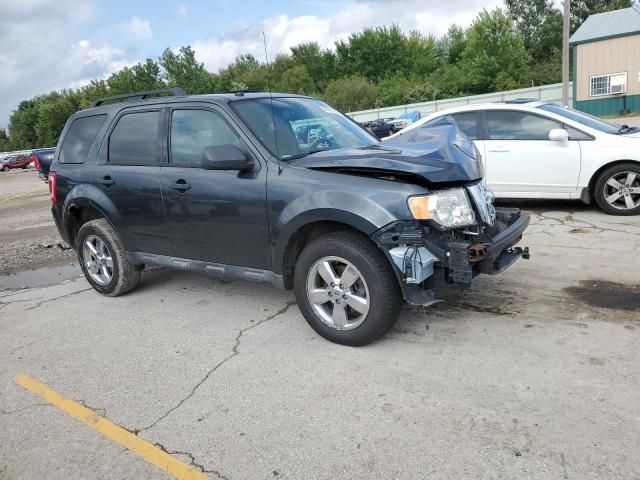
[355, 210]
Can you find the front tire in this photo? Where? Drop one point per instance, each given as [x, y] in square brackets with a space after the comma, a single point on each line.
[346, 290]
[617, 190]
[103, 259]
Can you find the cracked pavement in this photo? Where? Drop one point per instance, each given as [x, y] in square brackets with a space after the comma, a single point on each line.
[520, 378]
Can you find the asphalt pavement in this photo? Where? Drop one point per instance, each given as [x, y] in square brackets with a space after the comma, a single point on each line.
[532, 374]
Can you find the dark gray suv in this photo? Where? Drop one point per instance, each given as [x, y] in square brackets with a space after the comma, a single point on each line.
[281, 189]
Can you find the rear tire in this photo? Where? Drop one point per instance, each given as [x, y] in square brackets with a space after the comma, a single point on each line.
[103, 259]
[365, 301]
[617, 190]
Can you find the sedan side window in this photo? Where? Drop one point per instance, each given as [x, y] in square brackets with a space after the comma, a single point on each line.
[514, 125]
[194, 130]
[467, 123]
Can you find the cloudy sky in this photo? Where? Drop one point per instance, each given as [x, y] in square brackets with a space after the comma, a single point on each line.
[53, 44]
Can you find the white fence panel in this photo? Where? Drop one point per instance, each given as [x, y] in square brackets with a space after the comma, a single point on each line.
[545, 93]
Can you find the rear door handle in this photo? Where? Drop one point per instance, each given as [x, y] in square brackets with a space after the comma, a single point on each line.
[106, 181]
[180, 185]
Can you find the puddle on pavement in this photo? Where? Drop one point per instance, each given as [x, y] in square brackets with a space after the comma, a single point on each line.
[604, 294]
[41, 277]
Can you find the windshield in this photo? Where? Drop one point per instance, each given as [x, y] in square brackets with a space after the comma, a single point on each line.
[584, 118]
[297, 127]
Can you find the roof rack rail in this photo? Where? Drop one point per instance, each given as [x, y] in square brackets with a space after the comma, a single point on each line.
[132, 97]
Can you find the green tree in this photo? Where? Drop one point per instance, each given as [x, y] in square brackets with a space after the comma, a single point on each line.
[92, 91]
[183, 70]
[581, 9]
[422, 54]
[22, 125]
[245, 70]
[399, 90]
[374, 53]
[321, 64]
[53, 112]
[140, 77]
[296, 80]
[5, 145]
[452, 44]
[351, 93]
[540, 24]
[494, 57]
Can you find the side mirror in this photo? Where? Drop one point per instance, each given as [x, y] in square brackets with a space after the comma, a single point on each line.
[225, 157]
[558, 135]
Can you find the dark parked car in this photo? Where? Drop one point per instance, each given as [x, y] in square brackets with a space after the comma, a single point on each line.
[14, 161]
[221, 184]
[42, 159]
[381, 128]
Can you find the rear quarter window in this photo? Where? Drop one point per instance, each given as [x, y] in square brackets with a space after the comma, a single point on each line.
[79, 138]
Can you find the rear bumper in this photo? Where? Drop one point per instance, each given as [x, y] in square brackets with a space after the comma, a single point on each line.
[56, 212]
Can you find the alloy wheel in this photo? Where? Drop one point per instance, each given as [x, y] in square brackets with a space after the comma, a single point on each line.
[97, 259]
[338, 293]
[622, 190]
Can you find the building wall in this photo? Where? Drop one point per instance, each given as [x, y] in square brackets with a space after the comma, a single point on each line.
[614, 55]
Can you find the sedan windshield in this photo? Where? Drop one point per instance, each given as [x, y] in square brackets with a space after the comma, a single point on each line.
[584, 118]
[291, 127]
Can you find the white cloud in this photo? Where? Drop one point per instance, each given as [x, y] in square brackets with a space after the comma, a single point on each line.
[182, 10]
[53, 60]
[138, 29]
[282, 32]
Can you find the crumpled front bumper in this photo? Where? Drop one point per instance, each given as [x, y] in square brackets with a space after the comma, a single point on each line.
[454, 259]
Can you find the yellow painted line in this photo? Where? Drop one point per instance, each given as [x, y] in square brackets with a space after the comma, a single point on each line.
[137, 445]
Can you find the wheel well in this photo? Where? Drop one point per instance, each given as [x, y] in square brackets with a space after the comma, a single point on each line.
[596, 175]
[78, 216]
[305, 234]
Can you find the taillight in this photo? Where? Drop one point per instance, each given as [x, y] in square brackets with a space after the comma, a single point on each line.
[53, 180]
[36, 162]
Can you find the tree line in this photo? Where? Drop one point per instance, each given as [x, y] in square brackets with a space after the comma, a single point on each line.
[505, 48]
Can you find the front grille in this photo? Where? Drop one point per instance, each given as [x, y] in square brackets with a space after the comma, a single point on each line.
[483, 198]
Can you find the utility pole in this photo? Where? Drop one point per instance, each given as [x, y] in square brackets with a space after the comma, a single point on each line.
[566, 22]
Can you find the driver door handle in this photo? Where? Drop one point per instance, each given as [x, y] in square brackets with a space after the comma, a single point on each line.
[499, 149]
[180, 185]
[106, 181]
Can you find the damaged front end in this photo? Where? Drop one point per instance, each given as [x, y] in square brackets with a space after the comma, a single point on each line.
[432, 259]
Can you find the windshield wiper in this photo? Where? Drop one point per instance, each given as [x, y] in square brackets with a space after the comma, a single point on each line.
[627, 129]
[293, 157]
[302, 155]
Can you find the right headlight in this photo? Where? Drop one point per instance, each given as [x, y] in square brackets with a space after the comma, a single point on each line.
[450, 208]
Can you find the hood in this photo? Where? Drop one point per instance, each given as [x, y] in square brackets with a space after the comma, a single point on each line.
[437, 156]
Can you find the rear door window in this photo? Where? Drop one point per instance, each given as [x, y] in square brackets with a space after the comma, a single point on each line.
[79, 138]
[135, 140]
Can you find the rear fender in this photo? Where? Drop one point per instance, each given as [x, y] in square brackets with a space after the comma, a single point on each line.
[86, 195]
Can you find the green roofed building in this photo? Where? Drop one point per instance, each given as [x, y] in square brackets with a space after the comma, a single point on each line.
[606, 63]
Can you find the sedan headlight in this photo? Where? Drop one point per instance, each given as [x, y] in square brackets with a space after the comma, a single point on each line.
[450, 208]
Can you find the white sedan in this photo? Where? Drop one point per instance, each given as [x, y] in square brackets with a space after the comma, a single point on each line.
[543, 150]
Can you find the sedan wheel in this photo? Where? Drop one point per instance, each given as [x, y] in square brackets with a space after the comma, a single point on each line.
[622, 190]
